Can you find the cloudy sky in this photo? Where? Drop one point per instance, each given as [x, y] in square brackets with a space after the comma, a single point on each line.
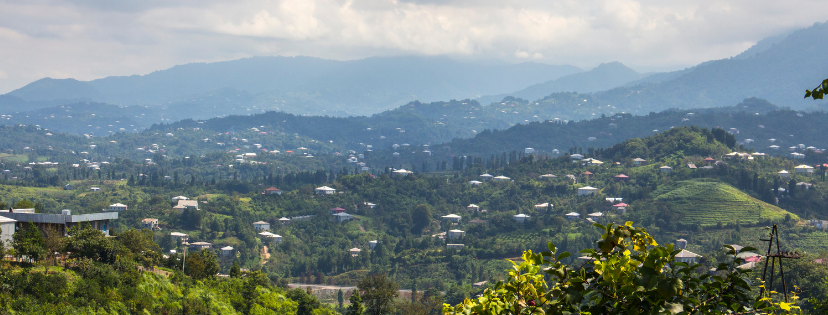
[89, 39]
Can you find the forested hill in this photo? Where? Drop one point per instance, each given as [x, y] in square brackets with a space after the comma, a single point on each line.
[751, 120]
[304, 85]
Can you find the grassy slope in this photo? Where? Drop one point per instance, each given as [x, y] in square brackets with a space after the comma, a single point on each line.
[708, 202]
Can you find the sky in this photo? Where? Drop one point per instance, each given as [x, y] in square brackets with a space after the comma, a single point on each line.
[90, 39]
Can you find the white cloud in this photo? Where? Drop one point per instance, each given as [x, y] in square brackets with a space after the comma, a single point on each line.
[92, 39]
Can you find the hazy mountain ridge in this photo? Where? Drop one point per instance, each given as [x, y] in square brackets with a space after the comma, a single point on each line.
[362, 86]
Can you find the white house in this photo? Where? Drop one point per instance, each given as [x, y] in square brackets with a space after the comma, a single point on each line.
[7, 227]
[576, 156]
[261, 226]
[572, 216]
[400, 173]
[486, 177]
[176, 236]
[501, 178]
[472, 207]
[354, 251]
[688, 257]
[453, 218]
[455, 234]
[373, 244]
[520, 218]
[284, 221]
[200, 245]
[475, 183]
[188, 204]
[805, 169]
[543, 206]
[324, 190]
[227, 251]
[177, 198]
[784, 174]
[342, 217]
[116, 207]
[588, 190]
[548, 176]
[95, 189]
[270, 237]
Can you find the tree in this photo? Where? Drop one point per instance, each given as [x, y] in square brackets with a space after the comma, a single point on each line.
[379, 293]
[235, 271]
[818, 92]
[356, 307]
[340, 299]
[421, 217]
[201, 265]
[29, 243]
[90, 243]
[23, 204]
[629, 273]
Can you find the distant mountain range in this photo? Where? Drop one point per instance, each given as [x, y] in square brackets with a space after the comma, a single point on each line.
[302, 85]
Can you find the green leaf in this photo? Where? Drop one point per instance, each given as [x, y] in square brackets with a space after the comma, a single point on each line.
[674, 308]
[563, 255]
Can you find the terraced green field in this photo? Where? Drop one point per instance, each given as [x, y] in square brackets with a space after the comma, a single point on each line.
[707, 202]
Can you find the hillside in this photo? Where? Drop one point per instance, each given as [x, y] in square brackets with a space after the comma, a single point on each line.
[711, 202]
[601, 78]
[304, 85]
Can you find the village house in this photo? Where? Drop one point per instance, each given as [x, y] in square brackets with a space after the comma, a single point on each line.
[453, 218]
[572, 216]
[804, 169]
[284, 221]
[196, 246]
[543, 206]
[784, 174]
[354, 252]
[342, 217]
[116, 207]
[692, 166]
[621, 178]
[272, 191]
[270, 237]
[149, 224]
[709, 160]
[68, 187]
[95, 189]
[621, 208]
[486, 177]
[475, 183]
[639, 161]
[804, 185]
[227, 251]
[177, 198]
[472, 207]
[6, 229]
[501, 178]
[178, 236]
[261, 226]
[336, 210]
[324, 190]
[454, 246]
[400, 173]
[372, 244]
[820, 224]
[369, 205]
[455, 234]
[588, 190]
[548, 176]
[576, 156]
[60, 222]
[520, 218]
[587, 174]
[187, 204]
[665, 169]
[688, 257]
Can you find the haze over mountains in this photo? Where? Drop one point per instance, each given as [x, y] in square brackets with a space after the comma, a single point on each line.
[777, 69]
